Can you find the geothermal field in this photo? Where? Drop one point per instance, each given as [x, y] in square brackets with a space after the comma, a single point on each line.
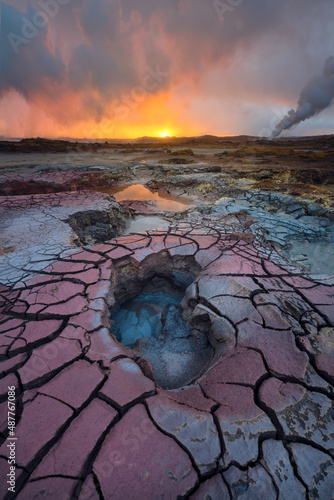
[166, 250]
[167, 314]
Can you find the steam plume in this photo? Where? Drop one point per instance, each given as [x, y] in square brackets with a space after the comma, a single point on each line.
[316, 96]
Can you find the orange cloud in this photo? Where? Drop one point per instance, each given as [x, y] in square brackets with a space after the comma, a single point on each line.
[112, 69]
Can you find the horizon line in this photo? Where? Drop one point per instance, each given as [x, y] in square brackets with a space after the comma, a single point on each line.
[156, 138]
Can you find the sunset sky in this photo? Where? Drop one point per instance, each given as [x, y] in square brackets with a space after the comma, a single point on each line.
[130, 68]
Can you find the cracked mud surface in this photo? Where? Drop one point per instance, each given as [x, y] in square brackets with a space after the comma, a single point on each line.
[92, 421]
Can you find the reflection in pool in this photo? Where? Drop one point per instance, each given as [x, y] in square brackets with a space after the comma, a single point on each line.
[145, 223]
[165, 203]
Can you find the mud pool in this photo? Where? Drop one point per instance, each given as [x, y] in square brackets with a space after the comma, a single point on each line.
[153, 325]
[141, 317]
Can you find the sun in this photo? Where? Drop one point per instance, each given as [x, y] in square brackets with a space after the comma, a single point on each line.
[165, 133]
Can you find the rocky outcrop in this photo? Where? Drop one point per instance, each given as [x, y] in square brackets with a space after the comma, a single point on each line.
[95, 226]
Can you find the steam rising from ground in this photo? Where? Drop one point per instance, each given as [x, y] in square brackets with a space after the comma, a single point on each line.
[316, 96]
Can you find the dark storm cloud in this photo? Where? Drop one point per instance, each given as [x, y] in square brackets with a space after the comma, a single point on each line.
[103, 49]
[116, 49]
[27, 64]
[120, 38]
[185, 37]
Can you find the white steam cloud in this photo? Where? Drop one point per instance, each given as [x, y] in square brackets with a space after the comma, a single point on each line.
[316, 96]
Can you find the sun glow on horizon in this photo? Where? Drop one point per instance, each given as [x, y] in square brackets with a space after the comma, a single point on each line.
[165, 133]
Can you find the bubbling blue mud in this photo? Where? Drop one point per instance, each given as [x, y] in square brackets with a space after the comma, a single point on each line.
[141, 317]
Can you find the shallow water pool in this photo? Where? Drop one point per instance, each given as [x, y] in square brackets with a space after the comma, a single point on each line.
[165, 202]
[144, 223]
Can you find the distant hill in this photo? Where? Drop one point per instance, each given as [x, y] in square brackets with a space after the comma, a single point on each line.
[64, 145]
